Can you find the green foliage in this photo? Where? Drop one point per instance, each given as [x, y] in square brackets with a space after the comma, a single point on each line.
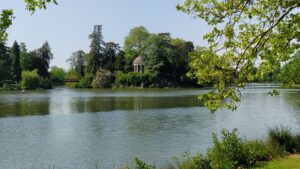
[186, 161]
[77, 62]
[135, 44]
[97, 46]
[57, 76]
[45, 83]
[120, 61]
[30, 80]
[31, 5]
[290, 73]
[45, 55]
[5, 63]
[285, 139]
[158, 50]
[243, 32]
[284, 163]
[86, 81]
[24, 57]
[72, 75]
[229, 152]
[6, 18]
[6, 15]
[103, 79]
[134, 79]
[16, 66]
[139, 164]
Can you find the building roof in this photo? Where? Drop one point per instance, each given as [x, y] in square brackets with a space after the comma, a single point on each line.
[139, 61]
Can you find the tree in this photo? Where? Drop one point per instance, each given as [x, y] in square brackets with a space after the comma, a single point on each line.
[243, 33]
[77, 62]
[158, 50]
[135, 44]
[30, 80]
[103, 79]
[97, 49]
[290, 72]
[24, 59]
[120, 61]
[179, 58]
[57, 75]
[16, 66]
[110, 55]
[45, 55]
[5, 63]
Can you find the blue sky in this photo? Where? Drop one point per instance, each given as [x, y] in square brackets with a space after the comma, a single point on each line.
[67, 26]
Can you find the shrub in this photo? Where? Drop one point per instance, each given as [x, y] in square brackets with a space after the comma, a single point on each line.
[230, 152]
[139, 164]
[284, 138]
[86, 81]
[30, 80]
[72, 75]
[57, 76]
[103, 79]
[258, 151]
[134, 79]
[45, 83]
[186, 161]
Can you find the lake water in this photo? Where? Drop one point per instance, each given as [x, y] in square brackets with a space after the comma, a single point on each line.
[69, 128]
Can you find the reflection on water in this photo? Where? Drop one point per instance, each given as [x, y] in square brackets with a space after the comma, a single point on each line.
[70, 101]
[81, 128]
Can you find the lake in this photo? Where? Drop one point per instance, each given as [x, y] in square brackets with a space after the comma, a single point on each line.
[73, 128]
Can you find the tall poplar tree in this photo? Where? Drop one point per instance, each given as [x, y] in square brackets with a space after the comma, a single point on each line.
[16, 66]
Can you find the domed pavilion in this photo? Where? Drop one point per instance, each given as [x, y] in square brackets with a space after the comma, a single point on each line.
[139, 64]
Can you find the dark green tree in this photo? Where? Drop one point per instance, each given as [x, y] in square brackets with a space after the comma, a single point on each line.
[179, 58]
[110, 55]
[5, 63]
[45, 54]
[97, 46]
[24, 59]
[16, 66]
[158, 51]
[120, 61]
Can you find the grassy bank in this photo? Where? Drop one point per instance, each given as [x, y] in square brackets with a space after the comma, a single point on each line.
[290, 162]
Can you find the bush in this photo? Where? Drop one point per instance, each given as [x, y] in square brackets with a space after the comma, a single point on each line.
[45, 83]
[86, 81]
[139, 164]
[230, 152]
[57, 76]
[103, 79]
[186, 161]
[134, 79]
[285, 139]
[30, 80]
[72, 75]
[258, 151]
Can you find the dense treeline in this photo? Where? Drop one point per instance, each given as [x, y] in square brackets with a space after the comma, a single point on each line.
[22, 69]
[168, 61]
[107, 64]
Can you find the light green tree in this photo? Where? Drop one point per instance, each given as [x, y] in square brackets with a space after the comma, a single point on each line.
[246, 34]
[135, 44]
